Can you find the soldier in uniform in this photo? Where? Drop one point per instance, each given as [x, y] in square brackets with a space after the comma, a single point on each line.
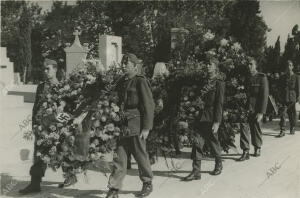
[208, 125]
[258, 92]
[37, 170]
[290, 83]
[137, 103]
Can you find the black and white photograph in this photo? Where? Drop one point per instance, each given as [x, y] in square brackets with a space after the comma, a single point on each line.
[158, 99]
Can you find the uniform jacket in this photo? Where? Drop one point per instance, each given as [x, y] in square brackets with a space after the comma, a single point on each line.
[214, 100]
[37, 102]
[290, 88]
[258, 93]
[137, 102]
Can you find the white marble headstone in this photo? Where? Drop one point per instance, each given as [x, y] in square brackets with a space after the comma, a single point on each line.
[110, 50]
[6, 69]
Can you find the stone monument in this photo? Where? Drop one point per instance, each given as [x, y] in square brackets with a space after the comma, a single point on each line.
[6, 69]
[110, 50]
[75, 54]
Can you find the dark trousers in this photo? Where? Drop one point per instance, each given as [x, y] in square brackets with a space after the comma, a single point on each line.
[205, 134]
[38, 168]
[290, 110]
[255, 132]
[137, 147]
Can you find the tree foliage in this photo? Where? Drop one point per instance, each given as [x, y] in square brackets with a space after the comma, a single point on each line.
[248, 27]
[292, 49]
[18, 18]
[145, 27]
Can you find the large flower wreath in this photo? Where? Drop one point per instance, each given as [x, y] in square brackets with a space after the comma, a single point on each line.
[187, 84]
[78, 120]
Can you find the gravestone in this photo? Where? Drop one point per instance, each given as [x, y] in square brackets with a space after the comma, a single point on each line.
[110, 50]
[7, 82]
[6, 69]
[75, 54]
[17, 78]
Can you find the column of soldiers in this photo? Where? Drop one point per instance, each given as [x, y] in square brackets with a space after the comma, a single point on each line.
[290, 87]
[137, 102]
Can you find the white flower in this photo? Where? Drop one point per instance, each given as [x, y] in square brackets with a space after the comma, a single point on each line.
[45, 104]
[46, 159]
[236, 46]
[183, 124]
[241, 87]
[38, 154]
[92, 133]
[113, 114]
[66, 87]
[105, 137]
[74, 92]
[91, 79]
[209, 35]
[106, 103]
[39, 142]
[92, 145]
[53, 150]
[110, 127]
[56, 136]
[116, 109]
[224, 42]
[93, 156]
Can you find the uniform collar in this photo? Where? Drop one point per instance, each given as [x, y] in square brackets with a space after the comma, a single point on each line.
[54, 82]
[129, 77]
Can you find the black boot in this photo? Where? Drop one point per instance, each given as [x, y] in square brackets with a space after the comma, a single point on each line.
[281, 134]
[218, 168]
[194, 175]
[152, 160]
[292, 130]
[68, 181]
[257, 152]
[128, 161]
[146, 190]
[245, 156]
[33, 187]
[112, 193]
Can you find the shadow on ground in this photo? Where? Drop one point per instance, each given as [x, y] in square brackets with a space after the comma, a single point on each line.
[50, 189]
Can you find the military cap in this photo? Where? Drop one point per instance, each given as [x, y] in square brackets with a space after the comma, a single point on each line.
[50, 62]
[130, 57]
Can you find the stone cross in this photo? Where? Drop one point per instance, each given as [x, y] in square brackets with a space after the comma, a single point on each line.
[77, 34]
[75, 54]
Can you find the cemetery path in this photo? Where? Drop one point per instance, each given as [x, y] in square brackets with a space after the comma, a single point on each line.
[275, 174]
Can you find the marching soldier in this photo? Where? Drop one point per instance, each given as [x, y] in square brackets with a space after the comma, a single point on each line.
[258, 93]
[208, 125]
[291, 89]
[37, 170]
[137, 103]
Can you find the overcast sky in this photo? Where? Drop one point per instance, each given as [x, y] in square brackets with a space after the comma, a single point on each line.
[280, 16]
